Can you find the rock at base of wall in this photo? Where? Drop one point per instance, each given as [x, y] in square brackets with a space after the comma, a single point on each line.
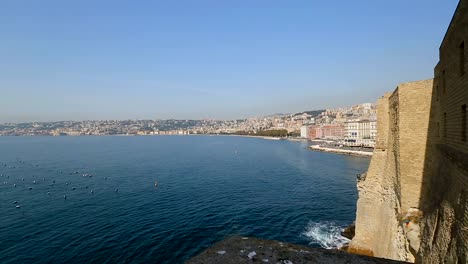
[348, 232]
[253, 250]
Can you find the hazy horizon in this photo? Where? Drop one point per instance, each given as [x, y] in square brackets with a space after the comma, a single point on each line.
[153, 119]
[209, 59]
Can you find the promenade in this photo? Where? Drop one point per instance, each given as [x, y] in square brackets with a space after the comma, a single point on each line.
[341, 151]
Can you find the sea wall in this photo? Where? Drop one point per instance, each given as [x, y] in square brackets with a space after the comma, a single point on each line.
[390, 191]
[413, 204]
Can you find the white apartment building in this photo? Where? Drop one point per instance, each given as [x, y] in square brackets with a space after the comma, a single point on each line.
[360, 133]
[304, 132]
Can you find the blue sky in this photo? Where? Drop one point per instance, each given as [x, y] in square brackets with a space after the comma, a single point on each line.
[89, 59]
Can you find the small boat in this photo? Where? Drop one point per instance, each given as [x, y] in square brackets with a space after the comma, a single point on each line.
[15, 202]
[18, 206]
[155, 183]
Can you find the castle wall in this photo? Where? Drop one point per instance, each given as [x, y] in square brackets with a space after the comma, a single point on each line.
[413, 204]
[393, 180]
[413, 125]
[444, 194]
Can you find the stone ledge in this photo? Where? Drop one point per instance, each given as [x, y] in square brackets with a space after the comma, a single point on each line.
[249, 250]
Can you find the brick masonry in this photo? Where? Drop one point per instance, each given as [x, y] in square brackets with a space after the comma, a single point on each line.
[421, 161]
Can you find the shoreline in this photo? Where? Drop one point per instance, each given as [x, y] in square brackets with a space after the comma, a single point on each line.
[341, 151]
[249, 136]
[136, 135]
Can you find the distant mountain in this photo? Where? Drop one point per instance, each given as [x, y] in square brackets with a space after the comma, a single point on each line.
[276, 114]
[312, 113]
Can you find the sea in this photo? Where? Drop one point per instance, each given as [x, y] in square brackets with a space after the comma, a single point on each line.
[164, 199]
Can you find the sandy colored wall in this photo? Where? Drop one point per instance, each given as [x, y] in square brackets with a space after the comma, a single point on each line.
[393, 180]
[444, 194]
[413, 204]
[414, 108]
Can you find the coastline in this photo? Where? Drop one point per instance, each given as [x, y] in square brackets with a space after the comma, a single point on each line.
[262, 137]
[341, 151]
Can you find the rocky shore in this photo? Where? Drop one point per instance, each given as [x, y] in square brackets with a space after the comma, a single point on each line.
[236, 250]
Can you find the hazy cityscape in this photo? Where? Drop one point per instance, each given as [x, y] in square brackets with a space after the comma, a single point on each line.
[343, 124]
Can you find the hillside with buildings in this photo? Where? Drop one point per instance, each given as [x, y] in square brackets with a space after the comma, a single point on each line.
[324, 124]
[353, 127]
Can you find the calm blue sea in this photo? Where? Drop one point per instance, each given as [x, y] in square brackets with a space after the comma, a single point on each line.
[209, 187]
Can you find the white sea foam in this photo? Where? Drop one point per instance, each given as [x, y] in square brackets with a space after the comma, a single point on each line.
[326, 234]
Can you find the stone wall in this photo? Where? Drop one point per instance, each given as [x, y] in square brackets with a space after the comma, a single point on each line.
[393, 180]
[413, 204]
[413, 123]
[444, 194]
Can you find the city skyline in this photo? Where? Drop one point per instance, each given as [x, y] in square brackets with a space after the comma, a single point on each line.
[333, 122]
[208, 60]
[267, 115]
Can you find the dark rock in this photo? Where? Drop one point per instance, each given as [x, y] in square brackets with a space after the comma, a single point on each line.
[237, 249]
[348, 232]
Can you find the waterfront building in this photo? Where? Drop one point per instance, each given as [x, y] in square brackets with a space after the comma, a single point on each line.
[336, 131]
[312, 132]
[360, 132]
[304, 132]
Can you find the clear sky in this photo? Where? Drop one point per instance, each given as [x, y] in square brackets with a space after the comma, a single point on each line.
[98, 59]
